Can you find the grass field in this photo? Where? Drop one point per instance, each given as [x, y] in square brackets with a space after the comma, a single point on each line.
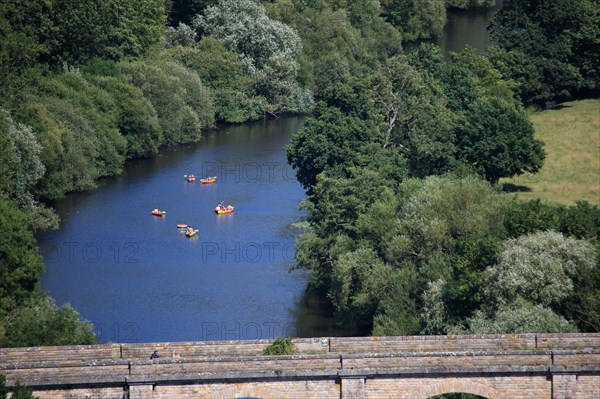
[571, 171]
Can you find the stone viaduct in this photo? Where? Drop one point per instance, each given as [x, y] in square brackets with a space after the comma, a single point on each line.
[525, 366]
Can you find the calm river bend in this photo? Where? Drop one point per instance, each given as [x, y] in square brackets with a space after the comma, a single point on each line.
[139, 280]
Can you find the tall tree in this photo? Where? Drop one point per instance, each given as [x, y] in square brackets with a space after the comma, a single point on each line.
[266, 48]
[497, 140]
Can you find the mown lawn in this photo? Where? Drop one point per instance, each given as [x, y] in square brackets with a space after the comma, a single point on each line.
[571, 171]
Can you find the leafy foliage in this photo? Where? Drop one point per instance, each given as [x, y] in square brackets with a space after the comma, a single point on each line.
[75, 32]
[20, 265]
[497, 140]
[266, 48]
[417, 19]
[21, 169]
[548, 47]
[40, 322]
[280, 346]
[540, 268]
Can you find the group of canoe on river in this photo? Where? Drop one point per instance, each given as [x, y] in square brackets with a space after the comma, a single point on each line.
[220, 209]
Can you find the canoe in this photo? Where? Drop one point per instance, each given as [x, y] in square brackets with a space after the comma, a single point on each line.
[156, 212]
[191, 234]
[191, 179]
[208, 180]
[224, 210]
[182, 226]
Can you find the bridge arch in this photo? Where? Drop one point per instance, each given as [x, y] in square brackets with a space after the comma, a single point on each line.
[425, 391]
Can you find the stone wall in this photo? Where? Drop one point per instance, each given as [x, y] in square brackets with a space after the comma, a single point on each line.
[494, 366]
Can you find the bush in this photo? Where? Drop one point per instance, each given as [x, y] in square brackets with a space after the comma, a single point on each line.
[280, 346]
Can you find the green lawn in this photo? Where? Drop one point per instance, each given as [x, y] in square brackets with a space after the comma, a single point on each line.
[571, 171]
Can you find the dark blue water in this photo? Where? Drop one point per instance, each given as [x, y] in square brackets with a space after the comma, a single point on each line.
[137, 278]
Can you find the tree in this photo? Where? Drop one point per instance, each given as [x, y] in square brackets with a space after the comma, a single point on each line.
[39, 322]
[540, 268]
[137, 119]
[184, 11]
[416, 19]
[21, 168]
[183, 35]
[160, 82]
[416, 120]
[520, 317]
[327, 141]
[75, 32]
[21, 267]
[112, 29]
[549, 47]
[497, 140]
[358, 281]
[266, 48]
[244, 28]
[220, 70]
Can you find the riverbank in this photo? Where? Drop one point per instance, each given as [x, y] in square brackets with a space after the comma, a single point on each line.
[571, 172]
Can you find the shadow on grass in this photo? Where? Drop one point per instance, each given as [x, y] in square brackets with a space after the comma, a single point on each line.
[514, 188]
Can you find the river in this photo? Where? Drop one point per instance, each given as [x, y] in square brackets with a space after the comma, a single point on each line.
[138, 279]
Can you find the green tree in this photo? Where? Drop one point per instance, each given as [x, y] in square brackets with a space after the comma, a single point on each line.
[497, 140]
[266, 48]
[220, 70]
[75, 32]
[416, 120]
[21, 169]
[540, 268]
[244, 28]
[416, 19]
[160, 82]
[137, 119]
[183, 35]
[111, 30]
[549, 47]
[520, 317]
[184, 11]
[326, 141]
[470, 3]
[39, 322]
[21, 267]
[358, 281]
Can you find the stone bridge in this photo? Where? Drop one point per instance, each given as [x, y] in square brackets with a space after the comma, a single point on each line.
[524, 366]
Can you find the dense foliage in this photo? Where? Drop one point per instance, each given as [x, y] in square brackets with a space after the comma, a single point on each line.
[549, 47]
[280, 346]
[398, 251]
[407, 235]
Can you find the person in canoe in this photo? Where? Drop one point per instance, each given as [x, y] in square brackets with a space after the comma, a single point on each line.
[190, 230]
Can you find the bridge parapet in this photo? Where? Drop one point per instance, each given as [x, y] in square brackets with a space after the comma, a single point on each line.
[321, 367]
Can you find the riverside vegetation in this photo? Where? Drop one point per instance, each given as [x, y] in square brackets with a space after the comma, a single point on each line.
[401, 155]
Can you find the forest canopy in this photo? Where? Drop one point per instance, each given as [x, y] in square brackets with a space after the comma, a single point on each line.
[400, 154]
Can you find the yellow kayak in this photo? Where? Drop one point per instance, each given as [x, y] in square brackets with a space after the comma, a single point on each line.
[191, 233]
